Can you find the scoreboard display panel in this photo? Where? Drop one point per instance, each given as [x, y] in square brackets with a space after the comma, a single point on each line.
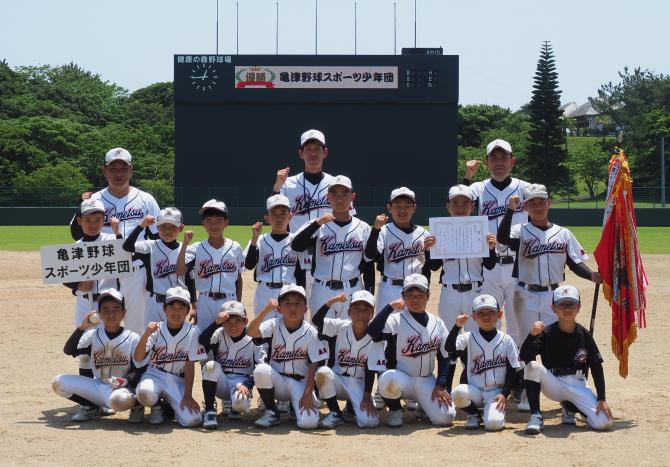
[389, 120]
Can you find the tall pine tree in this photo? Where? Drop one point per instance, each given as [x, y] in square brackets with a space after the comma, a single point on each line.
[546, 157]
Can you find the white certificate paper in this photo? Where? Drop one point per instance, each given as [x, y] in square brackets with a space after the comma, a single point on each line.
[459, 237]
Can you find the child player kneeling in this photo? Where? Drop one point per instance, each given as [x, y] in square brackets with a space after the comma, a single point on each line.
[354, 361]
[568, 351]
[415, 344]
[295, 352]
[111, 349]
[492, 361]
[229, 375]
[171, 348]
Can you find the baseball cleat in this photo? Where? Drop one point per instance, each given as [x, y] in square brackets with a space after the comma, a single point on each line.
[225, 410]
[86, 413]
[209, 420]
[332, 420]
[268, 419]
[395, 418]
[234, 415]
[106, 411]
[473, 422]
[568, 417]
[156, 415]
[535, 424]
[136, 414]
[283, 406]
[411, 405]
[378, 401]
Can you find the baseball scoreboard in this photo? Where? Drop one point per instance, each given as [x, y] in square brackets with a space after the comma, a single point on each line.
[389, 120]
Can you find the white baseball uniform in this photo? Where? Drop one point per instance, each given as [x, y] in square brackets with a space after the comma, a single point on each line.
[234, 363]
[290, 354]
[161, 274]
[339, 253]
[486, 370]
[167, 355]
[416, 349]
[461, 281]
[400, 253]
[275, 267]
[541, 259]
[344, 378]
[216, 271]
[498, 281]
[109, 358]
[84, 301]
[130, 210]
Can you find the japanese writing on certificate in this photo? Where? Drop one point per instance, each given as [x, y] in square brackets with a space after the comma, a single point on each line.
[459, 237]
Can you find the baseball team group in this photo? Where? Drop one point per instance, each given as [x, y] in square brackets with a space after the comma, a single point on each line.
[327, 345]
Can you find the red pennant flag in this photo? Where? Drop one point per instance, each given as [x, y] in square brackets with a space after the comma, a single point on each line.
[619, 261]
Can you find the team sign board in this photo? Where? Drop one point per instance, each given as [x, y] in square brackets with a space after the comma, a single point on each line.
[316, 77]
[78, 262]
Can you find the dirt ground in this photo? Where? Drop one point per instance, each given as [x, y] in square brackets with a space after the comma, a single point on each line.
[35, 425]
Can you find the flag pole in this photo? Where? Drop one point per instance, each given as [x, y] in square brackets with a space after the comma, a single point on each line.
[596, 292]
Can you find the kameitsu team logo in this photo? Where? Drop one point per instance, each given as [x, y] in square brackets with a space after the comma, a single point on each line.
[304, 204]
[533, 248]
[481, 364]
[130, 213]
[208, 268]
[163, 268]
[239, 362]
[345, 359]
[270, 262]
[330, 245]
[415, 347]
[397, 251]
[280, 354]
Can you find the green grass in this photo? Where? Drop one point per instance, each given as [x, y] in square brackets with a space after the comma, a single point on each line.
[30, 238]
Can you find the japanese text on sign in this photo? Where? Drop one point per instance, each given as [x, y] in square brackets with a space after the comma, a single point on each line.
[316, 77]
[77, 262]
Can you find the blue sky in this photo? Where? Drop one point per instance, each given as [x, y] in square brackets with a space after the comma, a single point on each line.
[131, 43]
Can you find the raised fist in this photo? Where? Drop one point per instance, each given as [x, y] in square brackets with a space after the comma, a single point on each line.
[380, 220]
[188, 236]
[471, 167]
[429, 242]
[326, 218]
[514, 202]
[461, 319]
[537, 328]
[147, 221]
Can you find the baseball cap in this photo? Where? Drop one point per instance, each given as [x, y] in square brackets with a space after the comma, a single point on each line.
[341, 180]
[498, 143]
[277, 200]
[292, 288]
[233, 307]
[214, 204]
[535, 190]
[484, 301]
[402, 191]
[178, 293]
[170, 216]
[115, 294]
[461, 190]
[565, 293]
[118, 154]
[415, 280]
[89, 206]
[312, 135]
[363, 296]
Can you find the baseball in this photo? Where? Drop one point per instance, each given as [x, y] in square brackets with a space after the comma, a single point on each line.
[209, 366]
[94, 318]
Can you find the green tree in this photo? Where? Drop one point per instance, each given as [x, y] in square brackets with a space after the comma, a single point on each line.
[473, 120]
[59, 185]
[546, 158]
[588, 162]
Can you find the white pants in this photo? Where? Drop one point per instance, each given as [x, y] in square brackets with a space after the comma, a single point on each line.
[500, 283]
[153, 311]
[287, 389]
[345, 388]
[571, 388]
[533, 306]
[386, 293]
[208, 309]
[464, 394]
[321, 293]
[394, 384]
[93, 390]
[226, 387]
[262, 296]
[155, 384]
[454, 303]
[135, 296]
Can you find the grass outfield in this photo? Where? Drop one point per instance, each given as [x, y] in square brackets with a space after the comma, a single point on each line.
[30, 238]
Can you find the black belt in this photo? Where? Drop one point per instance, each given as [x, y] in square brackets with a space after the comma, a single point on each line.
[337, 285]
[95, 296]
[565, 371]
[538, 288]
[505, 259]
[181, 375]
[295, 377]
[464, 287]
[217, 295]
[160, 298]
[392, 281]
[273, 285]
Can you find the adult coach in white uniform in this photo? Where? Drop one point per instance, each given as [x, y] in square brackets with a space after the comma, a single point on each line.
[129, 205]
[492, 196]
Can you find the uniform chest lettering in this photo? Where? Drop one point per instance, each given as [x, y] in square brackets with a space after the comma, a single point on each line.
[207, 268]
[116, 359]
[163, 268]
[345, 359]
[415, 347]
[330, 245]
[304, 204]
[397, 251]
[533, 248]
[237, 362]
[130, 213]
[280, 354]
[270, 262]
[161, 356]
[480, 364]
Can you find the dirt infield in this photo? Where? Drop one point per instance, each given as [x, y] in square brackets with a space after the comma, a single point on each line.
[35, 426]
